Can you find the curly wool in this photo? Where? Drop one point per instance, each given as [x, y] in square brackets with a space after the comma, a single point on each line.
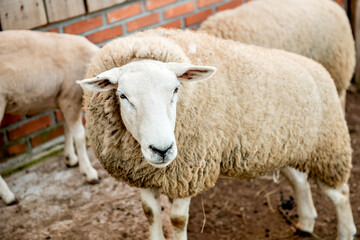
[263, 110]
[317, 29]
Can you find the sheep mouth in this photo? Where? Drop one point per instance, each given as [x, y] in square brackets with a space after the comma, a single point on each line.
[159, 164]
[158, 161]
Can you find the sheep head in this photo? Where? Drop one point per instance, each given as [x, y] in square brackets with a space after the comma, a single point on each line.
[148, 93]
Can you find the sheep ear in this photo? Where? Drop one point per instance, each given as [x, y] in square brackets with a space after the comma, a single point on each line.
[190, 73]
[103, 82]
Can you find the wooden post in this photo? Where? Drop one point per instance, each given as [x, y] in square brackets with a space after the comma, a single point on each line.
[21, 14]
[64, 9]
[95, 5]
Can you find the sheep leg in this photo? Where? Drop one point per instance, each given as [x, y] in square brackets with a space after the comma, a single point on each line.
[71, 159]
[5, 193]
[7, 196]
[150, 199]
[302, 192]
[179, 217]
[340, 198]
[78, 131]
[342, 96]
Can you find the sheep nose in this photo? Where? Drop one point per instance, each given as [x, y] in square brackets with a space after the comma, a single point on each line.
[161, 152]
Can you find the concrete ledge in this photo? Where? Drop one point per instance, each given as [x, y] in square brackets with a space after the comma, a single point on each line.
[38, 154]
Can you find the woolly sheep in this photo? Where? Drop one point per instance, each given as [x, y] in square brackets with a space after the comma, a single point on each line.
[37, 73]
[263, 110]
[319, 30]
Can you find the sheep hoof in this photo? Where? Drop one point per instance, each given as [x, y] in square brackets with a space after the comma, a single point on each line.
[13, 202]
[301, 233]
[71, 161]
[94, 181]
[68, 165]
[306, 225]
[91, 174]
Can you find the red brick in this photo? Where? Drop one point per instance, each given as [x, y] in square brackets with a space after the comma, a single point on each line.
[13, 150]
[198, 17]
[143, 22]
[105, 34]
[9, 119]
[153, 4]
[229, 5]
[124, 12]
[173, 24]
[47, 136]
[29, 127]
[84, 25]
[55, 30]
[204, 3]
[59, 116]
[179, 10]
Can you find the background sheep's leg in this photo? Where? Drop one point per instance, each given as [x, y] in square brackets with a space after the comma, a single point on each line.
[340, 198]
[7, 196]
[74, 122]
[78, 131]
[71, 159]
[306, 209]
[179, 217]
[5, 193]
[71, 107]
[150, 199]
[342, 96]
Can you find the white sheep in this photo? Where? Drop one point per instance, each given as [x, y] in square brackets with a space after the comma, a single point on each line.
[37, 73]
[319, 30]
[154, 125]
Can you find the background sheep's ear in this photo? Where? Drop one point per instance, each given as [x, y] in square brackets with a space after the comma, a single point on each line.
[103, 82]
[190, 73]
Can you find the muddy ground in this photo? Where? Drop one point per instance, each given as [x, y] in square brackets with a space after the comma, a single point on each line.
[57, 203]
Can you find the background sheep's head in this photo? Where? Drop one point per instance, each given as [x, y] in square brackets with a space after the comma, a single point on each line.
[148, 92]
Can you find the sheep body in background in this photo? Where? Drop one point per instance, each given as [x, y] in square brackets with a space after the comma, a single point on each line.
[319, 30]
[263, 110]
[37, 73]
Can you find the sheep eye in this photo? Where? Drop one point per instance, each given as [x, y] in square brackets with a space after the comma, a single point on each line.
[122, 96]
[176, 90]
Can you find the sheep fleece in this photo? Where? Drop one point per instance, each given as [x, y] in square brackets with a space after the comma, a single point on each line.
[317, 29]
[263, 110]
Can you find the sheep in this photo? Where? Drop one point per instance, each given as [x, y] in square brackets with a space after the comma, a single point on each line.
[263, 110]
[37, 73]
[319, 30]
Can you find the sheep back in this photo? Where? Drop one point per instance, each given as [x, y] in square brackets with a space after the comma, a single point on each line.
[317, 29]
[37, 67]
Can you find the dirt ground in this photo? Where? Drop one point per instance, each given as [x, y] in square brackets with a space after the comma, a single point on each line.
[57, 203]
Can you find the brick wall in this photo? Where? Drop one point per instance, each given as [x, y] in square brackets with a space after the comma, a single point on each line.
[23, 138]
[124, 19]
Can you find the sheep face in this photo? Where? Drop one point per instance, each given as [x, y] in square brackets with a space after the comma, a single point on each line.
[148, 93]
